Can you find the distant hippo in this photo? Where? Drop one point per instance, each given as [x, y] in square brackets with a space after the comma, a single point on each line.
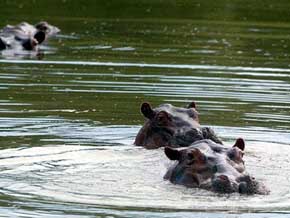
[26, 35]
[172, 126]
[208, 165]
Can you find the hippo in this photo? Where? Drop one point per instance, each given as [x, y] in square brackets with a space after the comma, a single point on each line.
[212, 166]
[172, 126]
[26, 35]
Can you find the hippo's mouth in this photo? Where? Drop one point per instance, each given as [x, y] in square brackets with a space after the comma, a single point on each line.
[243, 185]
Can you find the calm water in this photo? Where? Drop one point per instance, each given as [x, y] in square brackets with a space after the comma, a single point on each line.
[70, 112]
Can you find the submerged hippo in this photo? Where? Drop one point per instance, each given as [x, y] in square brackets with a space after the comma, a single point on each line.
[208, 165]
[26, 35]
[172, 126]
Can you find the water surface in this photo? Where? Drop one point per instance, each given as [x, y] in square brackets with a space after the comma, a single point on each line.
[70, 111]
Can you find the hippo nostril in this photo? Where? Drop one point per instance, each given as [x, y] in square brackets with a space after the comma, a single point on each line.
[190, 157]
[222, 184]
[231, 155]
[243, 188]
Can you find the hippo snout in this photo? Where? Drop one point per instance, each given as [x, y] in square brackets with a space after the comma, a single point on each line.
[249, 185]
[185, 137]
[244, 185]
[223, 184]
[243, 188]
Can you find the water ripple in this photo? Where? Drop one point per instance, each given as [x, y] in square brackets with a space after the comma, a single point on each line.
[128, 176]
[172, 66]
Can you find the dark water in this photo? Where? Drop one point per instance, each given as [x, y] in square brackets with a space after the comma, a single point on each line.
[69, 113]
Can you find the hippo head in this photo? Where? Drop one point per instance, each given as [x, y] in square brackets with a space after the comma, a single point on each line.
[208, 165]
[164, 124]
[171, 126]
[47, 28]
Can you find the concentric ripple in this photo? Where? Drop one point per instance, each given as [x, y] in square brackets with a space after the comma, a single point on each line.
[125, 176]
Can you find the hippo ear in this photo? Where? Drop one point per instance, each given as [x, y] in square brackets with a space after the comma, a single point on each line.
[39, 36]
[147, 110]
[171, 153]
[240, 143]
[191, 105]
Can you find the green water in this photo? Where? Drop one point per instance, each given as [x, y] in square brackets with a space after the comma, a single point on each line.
[69, 114]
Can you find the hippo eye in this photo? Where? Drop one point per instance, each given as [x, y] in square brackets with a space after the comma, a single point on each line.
[190, 156]
[161, 121]
[191, 113]
[231, 155]
[235, 154]
[162, 118]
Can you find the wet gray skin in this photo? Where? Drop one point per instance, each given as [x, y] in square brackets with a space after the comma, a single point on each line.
[208, 165]
[26, 35]
[171, 126]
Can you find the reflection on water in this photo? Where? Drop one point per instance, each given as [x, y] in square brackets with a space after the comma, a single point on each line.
[68, 117]
[251, 96]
